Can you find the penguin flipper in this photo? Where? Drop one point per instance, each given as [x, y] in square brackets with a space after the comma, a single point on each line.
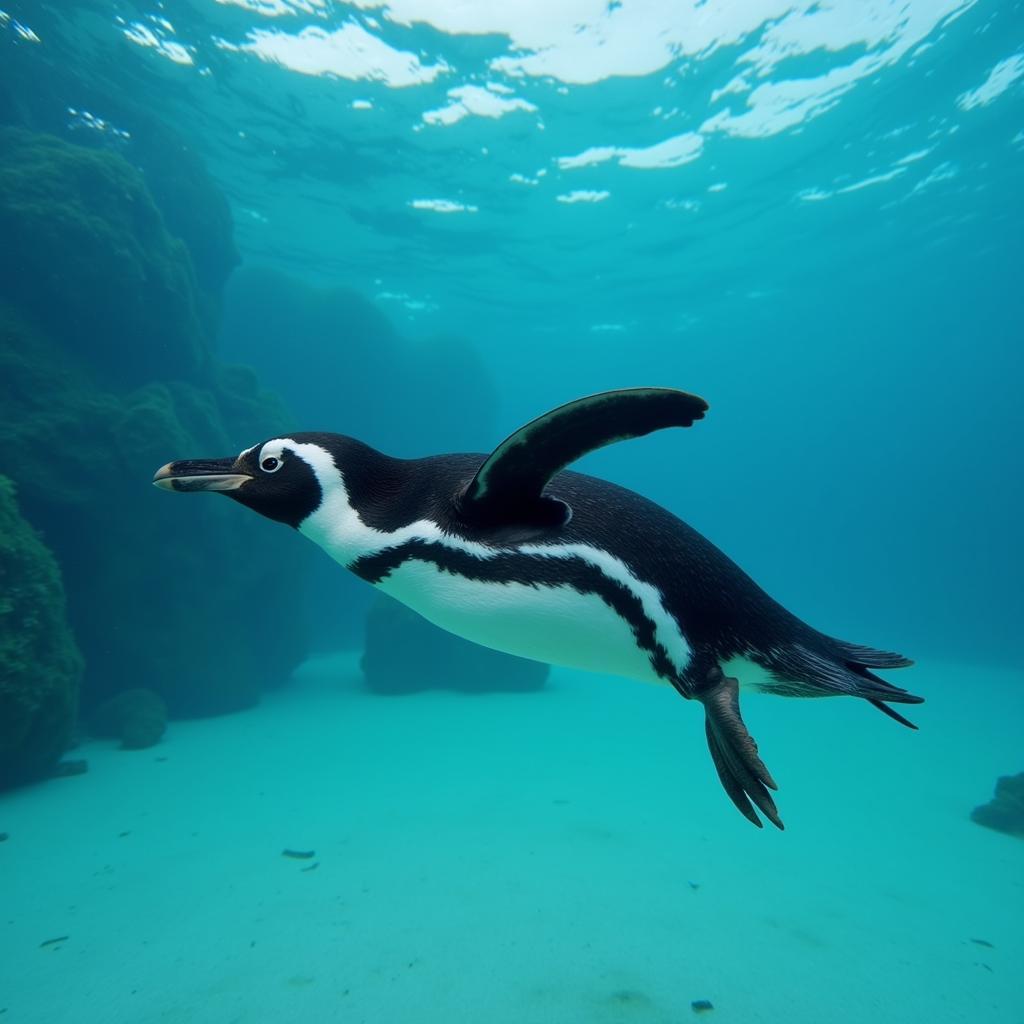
[734, 752]
[513, 476]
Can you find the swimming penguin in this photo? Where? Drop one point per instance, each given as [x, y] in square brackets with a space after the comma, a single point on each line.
[515, 552]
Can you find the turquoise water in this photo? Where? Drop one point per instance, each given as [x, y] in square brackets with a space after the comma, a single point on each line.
[423, 223]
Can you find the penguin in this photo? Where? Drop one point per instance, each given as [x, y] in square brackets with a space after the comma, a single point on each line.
[514, 551]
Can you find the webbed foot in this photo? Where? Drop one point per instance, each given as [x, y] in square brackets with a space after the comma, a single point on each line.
[734, 751]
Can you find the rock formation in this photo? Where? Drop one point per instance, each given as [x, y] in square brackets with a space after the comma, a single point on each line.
[39, 663]
[107, 371]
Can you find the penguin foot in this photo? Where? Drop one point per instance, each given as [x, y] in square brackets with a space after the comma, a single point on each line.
[741, 770]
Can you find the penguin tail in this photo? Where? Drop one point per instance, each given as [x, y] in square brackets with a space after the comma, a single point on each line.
[860, 660]
[837, 667]
[868, 657]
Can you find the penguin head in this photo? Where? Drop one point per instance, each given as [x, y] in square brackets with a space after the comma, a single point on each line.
[279, 479]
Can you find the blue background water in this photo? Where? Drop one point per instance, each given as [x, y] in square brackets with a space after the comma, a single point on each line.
[810, 215]
[837, 275]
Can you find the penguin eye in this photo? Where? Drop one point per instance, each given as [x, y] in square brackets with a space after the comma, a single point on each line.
[270, 464]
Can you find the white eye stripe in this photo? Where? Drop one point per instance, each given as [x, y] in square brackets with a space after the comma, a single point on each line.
[270, 458]
[272, 449]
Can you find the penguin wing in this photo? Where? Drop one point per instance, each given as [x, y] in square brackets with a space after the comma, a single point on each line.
[514, 475]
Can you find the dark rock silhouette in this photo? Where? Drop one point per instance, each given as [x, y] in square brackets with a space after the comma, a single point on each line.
[39, 662]
[175, 597]
[405, 654]
[193, 207]
[86, 250]
[348, 370]
[105, 373]
[1005, 811]
[138, 718]
[57, 98]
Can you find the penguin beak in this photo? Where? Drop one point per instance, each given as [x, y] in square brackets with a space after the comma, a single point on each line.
[200, 475]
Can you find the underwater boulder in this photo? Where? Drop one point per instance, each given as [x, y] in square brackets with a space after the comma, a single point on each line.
[350, 371]
[87, 254]
[343, 353]
[405, 653]
[193, 207]
[1005, 811]
[57, 98]
[155, 589]
[105, 373]
[459, 406]
[40, 664]
[138, 718]
[49, 414]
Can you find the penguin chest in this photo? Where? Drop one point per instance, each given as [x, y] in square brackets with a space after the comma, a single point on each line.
[555, 623]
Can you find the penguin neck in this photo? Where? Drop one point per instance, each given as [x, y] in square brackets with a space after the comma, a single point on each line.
[354, 478]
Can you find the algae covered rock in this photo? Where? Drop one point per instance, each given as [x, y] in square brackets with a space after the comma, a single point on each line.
[1005, 811]
[405, 653]
[105, 374]
[138, 718]
[193, 207]
[39, 662]
[175, 594]
[86, 252]
[45, 94]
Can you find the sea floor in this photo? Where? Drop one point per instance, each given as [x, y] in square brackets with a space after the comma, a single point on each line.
[551, 858]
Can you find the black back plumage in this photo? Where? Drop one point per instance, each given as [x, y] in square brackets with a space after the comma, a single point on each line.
[721, 610]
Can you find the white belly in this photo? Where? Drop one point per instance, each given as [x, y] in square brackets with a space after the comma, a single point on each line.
[553, 624]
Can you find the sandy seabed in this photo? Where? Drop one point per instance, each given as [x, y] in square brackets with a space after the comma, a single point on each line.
[551, 858]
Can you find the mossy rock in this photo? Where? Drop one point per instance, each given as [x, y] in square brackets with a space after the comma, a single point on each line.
[138, 718]
[193, 207]
[56, 422]
[36, 91]
[139, 565]
[87, 253]
[105, 374]
[40, 665]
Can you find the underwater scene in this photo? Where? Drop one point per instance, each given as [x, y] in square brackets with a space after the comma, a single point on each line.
[547, 403]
